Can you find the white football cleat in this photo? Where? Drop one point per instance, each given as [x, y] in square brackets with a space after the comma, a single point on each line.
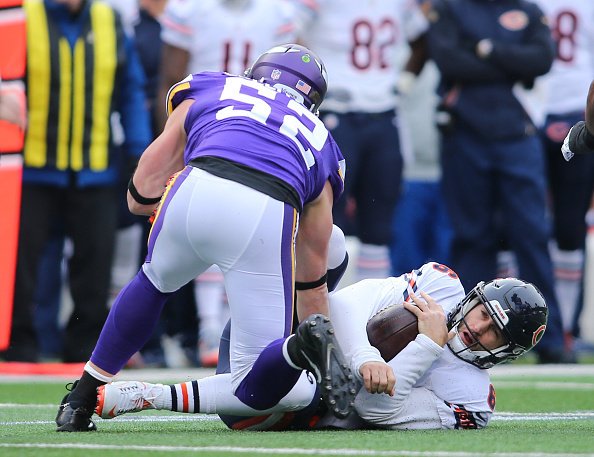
[121, 397]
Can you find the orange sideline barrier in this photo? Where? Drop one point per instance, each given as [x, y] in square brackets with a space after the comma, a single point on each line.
[48, 369]
[10, 189]
[13, 42]
[12, 137]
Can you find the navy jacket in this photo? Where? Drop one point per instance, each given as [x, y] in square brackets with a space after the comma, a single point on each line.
[478, 91]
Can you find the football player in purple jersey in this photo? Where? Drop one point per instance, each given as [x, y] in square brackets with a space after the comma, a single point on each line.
[243, 176]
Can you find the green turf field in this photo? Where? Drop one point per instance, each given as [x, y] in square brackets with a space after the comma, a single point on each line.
[540, 412]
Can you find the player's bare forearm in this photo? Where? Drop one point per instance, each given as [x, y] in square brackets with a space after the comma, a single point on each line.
[160, 160]
[315, 228]
[312, 301]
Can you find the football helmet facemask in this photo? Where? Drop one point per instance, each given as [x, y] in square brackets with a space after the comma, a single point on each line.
[519, 310]
[295, 70]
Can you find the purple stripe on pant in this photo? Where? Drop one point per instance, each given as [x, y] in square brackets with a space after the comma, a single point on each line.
[172, 187]
[271, 377]
[288, 264]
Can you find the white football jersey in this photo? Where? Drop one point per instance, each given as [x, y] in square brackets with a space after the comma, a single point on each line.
[572, 24]
[361, 44]
[225, 35]
[434, 388]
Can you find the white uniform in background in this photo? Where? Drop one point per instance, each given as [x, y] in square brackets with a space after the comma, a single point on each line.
[362, 44]
[569, 79]
[227, 35]
[572, 25]
[434, 388]
[223, 35]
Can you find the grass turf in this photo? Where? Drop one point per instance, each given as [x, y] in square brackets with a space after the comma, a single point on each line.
[548, 419]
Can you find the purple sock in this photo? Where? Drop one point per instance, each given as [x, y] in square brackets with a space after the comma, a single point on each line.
[130, 323]
[269, 380]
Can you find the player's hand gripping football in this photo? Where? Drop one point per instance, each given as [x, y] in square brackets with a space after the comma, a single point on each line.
[431, 318]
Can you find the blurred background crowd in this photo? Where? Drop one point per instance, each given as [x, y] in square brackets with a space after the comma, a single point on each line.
[450, 114]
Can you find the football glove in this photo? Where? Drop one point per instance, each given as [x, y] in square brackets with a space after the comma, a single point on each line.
[578, 141]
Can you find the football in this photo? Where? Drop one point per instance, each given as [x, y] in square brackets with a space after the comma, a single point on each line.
[391, 329]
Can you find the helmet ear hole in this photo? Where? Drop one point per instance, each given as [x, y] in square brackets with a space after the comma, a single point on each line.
[294, 69]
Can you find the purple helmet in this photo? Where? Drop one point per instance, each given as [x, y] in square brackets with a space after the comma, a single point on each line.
[295, 70]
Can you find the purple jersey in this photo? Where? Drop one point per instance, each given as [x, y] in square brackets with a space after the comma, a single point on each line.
[249, 123]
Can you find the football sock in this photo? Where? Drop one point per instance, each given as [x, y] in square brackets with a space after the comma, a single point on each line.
[95, 374]
[130, 323]
[182, 397]
[209, 289]
[85, 392]
[568, 282]
[373, 261]
[212, 310]
[270, 379]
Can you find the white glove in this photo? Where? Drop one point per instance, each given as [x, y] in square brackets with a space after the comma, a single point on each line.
[567, 154]
[405, 82]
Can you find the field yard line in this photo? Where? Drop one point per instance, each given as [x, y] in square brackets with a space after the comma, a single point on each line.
[544, 385]
[505, 370]
[188, 374]
[499, 416]
[300, 451]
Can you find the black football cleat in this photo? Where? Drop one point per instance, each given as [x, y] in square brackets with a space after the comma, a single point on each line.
[71, 419]
[321, 355]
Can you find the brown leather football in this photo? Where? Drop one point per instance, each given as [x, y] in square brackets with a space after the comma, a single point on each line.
[391, 329]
